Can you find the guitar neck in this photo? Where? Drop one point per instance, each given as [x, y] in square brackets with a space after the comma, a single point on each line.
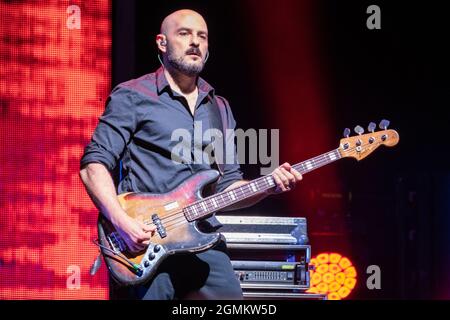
[222, 200]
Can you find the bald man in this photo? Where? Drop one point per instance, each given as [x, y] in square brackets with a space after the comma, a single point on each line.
[136, 129]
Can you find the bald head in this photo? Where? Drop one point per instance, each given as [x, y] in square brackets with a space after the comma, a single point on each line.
[183, 41]
[180, 17]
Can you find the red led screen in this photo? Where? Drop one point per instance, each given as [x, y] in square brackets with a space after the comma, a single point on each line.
[54, 77]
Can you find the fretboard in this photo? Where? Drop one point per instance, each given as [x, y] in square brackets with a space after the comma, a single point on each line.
[222, 200]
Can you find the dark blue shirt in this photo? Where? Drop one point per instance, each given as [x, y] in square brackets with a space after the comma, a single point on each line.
[136, 127]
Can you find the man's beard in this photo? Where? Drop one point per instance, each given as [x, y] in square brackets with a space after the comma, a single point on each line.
[189, 69]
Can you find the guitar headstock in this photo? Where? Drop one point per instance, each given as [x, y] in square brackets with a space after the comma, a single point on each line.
[362, 145]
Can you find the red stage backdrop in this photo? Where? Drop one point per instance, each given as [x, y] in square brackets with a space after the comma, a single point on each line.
[54, 78]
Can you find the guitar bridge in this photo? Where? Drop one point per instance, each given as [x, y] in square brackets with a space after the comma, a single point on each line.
[159, 227]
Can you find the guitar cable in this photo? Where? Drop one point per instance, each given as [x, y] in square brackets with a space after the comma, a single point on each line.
[135, 266]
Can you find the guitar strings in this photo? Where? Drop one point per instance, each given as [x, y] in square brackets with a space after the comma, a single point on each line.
[220, 200]
[178, 221]
[240, 191]
[178, 218]
[182, 219]
[316, 161]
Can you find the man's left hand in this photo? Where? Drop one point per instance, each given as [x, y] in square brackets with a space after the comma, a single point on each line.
[285, 177]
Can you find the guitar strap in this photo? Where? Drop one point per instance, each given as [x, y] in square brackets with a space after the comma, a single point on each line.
[218, 120]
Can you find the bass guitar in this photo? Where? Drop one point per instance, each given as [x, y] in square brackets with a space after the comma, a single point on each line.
[175, 213]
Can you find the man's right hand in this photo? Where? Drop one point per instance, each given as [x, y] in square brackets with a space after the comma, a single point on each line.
[100, 186]
[134, 233]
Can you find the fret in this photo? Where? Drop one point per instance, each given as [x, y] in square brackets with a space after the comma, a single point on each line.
[269, 181]
[232, 195]
[303, 167]
[206, 204]
[188, 213]
[243, 191]
[238, 192]
[332, 156]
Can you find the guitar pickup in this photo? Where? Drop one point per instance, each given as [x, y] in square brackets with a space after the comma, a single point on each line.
[159, 227]
[116, 242]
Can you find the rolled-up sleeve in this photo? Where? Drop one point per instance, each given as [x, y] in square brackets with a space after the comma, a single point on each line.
[114, 130]
[232, 171]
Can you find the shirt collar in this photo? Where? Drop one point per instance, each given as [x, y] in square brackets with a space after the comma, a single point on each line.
[162, 84]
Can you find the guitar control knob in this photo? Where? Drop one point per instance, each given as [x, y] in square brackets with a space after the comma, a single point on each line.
[151, 256]
[157, 248]
[146, 264]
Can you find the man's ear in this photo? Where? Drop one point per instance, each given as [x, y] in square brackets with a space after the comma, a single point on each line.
[161, 42]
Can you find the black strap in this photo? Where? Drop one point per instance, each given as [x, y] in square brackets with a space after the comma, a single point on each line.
[218, 120]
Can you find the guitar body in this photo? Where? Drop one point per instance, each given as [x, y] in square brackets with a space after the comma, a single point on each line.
[175, 234]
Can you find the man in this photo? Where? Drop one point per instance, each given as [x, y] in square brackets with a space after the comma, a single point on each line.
[136, 128]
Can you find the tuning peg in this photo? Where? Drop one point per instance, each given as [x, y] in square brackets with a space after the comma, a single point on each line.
[384, 124]
[359, 130]
[371, 127]
[346, 132]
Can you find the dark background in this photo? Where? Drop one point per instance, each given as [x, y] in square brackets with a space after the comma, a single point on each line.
[390, 210]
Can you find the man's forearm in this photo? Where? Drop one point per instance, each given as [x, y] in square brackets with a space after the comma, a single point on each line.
[101, 189]
[247, 202]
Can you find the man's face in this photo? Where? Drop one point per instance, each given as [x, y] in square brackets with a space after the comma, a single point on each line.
[187, 44]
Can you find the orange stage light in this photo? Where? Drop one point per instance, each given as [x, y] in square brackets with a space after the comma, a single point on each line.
[333, 275]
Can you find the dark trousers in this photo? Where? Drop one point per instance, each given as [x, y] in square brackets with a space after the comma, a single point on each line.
[206, 276]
